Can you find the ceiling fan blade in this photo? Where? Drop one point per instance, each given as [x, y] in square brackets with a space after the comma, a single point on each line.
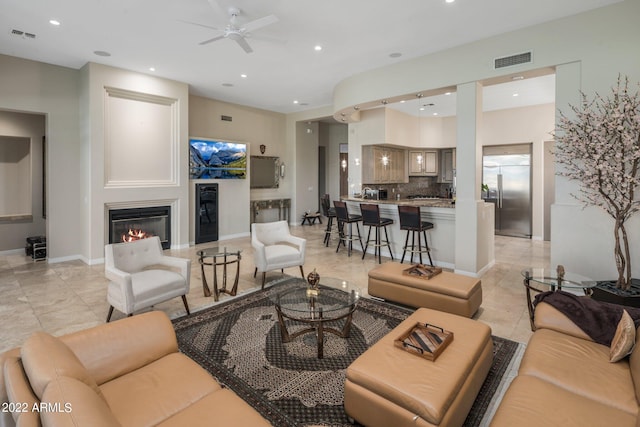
[212, 40]
[243, 44]
[202, 25]
[260, 22]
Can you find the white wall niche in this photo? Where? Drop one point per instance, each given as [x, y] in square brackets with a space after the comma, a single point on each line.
[141, 139]
[15, 176]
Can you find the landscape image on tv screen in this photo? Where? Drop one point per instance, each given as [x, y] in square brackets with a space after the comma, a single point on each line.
[210, 159]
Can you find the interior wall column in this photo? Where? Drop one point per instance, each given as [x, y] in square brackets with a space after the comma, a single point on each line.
[468, 177]
[567, 214]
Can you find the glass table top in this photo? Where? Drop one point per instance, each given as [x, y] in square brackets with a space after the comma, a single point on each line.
[331, 298]
[550, 278]
[219, 250]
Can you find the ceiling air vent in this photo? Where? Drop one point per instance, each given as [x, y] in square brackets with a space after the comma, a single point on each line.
[23, 34]
[508, 61]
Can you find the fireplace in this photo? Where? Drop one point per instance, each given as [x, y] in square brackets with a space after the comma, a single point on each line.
[126, 225]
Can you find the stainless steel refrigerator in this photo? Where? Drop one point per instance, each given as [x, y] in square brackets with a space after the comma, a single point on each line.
[506, 170]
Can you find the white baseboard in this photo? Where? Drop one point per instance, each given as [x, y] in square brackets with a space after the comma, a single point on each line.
[12, 252]
[486, 267]
[235, 236]
[66, 258]
[185, 246]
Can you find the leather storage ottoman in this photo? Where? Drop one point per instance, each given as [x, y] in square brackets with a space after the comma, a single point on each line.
[387, 386]
[450, 292]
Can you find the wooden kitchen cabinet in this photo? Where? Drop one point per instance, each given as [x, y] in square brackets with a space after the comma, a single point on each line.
[423, 163]
[447, 165]
[374, 171]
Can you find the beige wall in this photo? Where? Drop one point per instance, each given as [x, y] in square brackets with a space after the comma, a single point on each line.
[111, 95]
[254, 127]
[22, 193]
[301, 169]
[331, 136]
[34, 87]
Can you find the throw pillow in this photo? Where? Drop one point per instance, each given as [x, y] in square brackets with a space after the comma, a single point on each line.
[624, 339]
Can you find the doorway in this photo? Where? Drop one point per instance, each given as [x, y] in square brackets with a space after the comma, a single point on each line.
[506, 170]
[344, 169]
[22, 164]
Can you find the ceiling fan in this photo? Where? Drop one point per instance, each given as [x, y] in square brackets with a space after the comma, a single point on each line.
[239, 32]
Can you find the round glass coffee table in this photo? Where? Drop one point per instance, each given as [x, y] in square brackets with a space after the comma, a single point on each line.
[220, 256]
[334, 300]
[543, 280]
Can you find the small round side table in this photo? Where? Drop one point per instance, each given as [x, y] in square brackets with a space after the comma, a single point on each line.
[220, 256]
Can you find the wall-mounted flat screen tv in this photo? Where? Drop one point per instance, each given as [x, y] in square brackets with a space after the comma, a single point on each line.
[213, 159]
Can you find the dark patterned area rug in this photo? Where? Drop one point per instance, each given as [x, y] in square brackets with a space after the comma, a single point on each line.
[238, 342]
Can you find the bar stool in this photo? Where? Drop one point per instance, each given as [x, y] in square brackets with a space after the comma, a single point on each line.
[343, 217]
[371, 217]
[330, 213]
[410, 220]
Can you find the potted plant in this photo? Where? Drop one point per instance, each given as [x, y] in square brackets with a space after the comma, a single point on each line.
[599, 146]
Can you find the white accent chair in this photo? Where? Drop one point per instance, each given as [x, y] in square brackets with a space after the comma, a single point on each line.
[275, 248]
[134, 285]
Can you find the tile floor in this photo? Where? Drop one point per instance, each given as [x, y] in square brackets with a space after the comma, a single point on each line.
[65, 297]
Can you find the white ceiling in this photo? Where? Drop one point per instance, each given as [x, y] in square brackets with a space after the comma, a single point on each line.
[512, 94]
[356, 35]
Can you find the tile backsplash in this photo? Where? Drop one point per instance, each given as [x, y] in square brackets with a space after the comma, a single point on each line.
[418, 185]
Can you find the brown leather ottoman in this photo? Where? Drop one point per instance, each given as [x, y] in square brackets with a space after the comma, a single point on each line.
[387, 386]
[450, 292]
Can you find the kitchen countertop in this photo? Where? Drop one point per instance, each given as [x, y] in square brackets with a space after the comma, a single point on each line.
[432, 203]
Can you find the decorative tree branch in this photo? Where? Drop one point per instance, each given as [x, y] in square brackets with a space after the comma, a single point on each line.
[600, 148]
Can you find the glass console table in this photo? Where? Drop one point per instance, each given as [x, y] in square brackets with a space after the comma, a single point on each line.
[543, 280]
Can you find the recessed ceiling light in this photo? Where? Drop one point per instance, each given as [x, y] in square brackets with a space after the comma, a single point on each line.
[435, 114]
[317, 48]
[515, 94]
[152, 69]
[295, 101]
[395, 55]
[402, 101]
[449, 1]
[447, 93]
[101, 53]
[421, 108]
[54, 22]
[244, 76]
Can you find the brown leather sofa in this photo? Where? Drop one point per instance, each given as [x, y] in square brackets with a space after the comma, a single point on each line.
[566, 379]
[125, 373]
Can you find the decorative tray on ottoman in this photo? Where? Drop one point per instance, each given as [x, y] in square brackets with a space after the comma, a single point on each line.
[422, 271]
[424, 340]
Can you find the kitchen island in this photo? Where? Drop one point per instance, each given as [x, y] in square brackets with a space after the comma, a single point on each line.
[441, 238]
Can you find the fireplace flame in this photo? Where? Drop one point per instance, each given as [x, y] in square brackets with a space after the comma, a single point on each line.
[135, 234]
